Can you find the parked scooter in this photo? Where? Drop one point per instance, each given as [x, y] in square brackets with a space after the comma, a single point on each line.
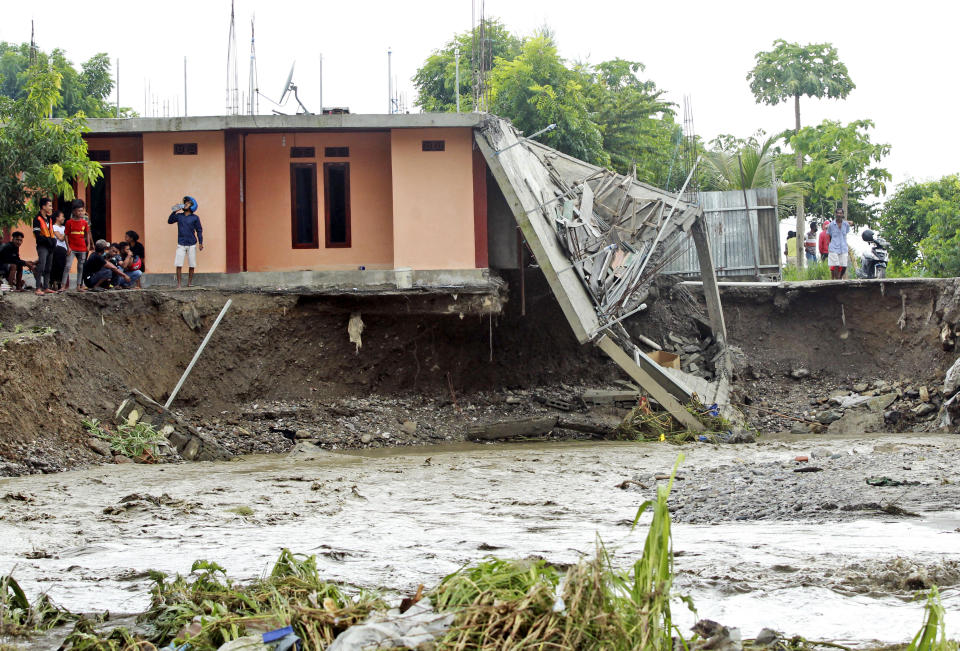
[875, 260]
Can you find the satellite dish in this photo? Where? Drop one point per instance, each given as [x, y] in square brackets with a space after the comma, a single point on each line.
[286, 86]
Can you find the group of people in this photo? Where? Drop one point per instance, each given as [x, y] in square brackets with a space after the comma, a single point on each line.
[60, 241]
[830, 244]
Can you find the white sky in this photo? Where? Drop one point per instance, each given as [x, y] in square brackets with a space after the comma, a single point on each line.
[902, 56]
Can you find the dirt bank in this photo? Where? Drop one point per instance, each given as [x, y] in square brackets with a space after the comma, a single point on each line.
[805, 342]
[279, 365]
[282, 368]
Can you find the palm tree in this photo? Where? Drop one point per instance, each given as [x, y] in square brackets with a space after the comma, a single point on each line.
[753, 165]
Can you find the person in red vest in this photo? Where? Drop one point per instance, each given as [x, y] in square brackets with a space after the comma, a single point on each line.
[79, 242]
[46, 242]
[824, 242]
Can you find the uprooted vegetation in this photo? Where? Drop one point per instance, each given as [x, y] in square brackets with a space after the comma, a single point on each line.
[138, 441]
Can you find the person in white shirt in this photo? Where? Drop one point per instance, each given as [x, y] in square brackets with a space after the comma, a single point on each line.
[59, 251]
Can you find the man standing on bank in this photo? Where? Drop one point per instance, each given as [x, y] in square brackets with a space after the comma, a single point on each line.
[189, 235]
[46, 243]
[839, 251]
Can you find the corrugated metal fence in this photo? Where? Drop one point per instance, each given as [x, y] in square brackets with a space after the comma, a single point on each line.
[740, 248]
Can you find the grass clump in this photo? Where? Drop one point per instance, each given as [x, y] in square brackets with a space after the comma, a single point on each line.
[206, 609]
[19, 617]
[933, 635]
[528, 604]
[140, 441]
[819, 270]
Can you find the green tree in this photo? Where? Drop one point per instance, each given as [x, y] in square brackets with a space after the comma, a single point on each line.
[635, 121]
[940, 249]
[536, 89]
[840, 162]
[436, 80]
[605, 113]
[37, 156]
[734, 164]
[790, 70]
[86, 90]
[908, 217]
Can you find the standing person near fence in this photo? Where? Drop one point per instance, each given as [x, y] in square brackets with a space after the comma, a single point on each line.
[810, 244]
[839, 250]
[790, 249]
[46, 243]
[79, 242]
[823, 242]
[189, 236]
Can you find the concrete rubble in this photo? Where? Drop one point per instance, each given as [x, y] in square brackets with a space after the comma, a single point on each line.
[600, 239]
[188, 442]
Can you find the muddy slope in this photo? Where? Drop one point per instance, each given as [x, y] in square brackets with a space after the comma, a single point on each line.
[882, 334]
[70, 356]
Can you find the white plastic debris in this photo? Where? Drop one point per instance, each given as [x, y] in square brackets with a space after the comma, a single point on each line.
[420, 624]
[355, 329]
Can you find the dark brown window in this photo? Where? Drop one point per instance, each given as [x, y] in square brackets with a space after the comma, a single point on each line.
[303, 205]
[99, 155]
[303, 152]
[185, 149]
[336, 195]
[434, 145]
[336, 152]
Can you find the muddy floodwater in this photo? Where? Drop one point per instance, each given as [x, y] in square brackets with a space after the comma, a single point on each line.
[783, 549]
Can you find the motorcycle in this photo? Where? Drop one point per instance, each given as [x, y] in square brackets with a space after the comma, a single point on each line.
[875, 260]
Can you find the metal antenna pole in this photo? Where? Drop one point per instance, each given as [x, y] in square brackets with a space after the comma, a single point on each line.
[389, 82]
[321, 83]
[196, 355]
[456, 55]
[118, 87]
[185, 86]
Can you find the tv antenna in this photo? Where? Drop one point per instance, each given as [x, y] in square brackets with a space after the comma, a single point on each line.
[233, 105]
[254, 106]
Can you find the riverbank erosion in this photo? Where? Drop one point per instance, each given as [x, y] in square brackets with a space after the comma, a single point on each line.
[281, 367]
[827, 358]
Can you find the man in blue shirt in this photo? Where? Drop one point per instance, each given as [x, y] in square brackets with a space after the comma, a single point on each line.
[189, 234]
[838, 253]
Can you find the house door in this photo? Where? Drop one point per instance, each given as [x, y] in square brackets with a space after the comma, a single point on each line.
[98, 207]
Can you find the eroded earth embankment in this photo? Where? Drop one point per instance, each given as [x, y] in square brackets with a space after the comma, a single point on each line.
[278, 368]
[282, 367]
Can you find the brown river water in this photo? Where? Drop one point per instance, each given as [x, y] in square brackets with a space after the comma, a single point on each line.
[396, 518]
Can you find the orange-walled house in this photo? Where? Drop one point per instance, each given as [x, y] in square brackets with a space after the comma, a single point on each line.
[301, 193]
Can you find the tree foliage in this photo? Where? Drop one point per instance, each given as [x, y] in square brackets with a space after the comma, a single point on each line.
[922, 223]
[436, 80]
[791, 70]
[605, 113]
[536, 89]
[841, 162]
[735, 164]
[635, 121]
[39, 157]
[86, 90]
